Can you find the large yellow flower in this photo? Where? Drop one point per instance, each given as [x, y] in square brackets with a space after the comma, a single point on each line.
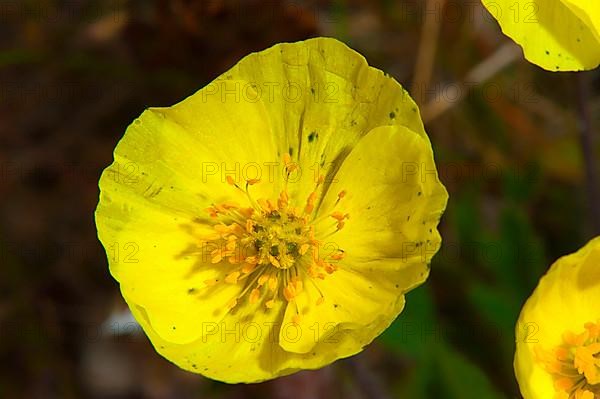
[274, 220]
[558, 35]
[558, 332]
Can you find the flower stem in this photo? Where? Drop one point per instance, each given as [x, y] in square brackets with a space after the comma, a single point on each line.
[587, 147]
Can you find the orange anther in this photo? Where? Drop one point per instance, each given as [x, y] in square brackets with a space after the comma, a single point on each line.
[309, 208]
[248, 268]
[232, 304]
[303, 249]
[338, 256]
[274, 261]
[254, 295]
[263, 279]
[232, 277]
[338, 215]
[283, 200]
[249, 225]
[329, 268]
[287, 158]
[273, 283]
[253, 260]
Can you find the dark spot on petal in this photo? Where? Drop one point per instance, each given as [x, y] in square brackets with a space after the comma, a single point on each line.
[291, 151]
[392, 115]
[547, 52]
[191, 291]
[313, 136]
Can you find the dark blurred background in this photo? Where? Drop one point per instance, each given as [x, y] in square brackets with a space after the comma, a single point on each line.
[516, 147]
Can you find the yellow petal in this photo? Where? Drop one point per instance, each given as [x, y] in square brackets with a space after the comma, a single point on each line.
[328, 308]
[557, 35]
[394, 199]
[321, 98]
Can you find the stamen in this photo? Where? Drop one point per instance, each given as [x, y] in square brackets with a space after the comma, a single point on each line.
[575, 364]
[269, 245]
[232, 278]
[254, 295]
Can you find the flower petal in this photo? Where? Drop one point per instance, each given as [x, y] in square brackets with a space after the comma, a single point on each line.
[341, 315]
[168, 168]
[389, 178]
[557, 35]
[321, 98]
[393, 196]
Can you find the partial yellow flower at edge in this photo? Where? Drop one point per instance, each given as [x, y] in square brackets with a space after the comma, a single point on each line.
[274, 220]
[557, 35]
[558, 332]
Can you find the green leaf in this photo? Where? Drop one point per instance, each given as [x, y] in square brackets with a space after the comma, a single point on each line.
[459, 378]
[408, 334]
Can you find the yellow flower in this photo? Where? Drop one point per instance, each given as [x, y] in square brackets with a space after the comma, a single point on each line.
[274, 220]
[557, 35]
[558, 332]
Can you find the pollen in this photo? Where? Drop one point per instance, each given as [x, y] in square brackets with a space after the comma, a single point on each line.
[575, 364]
[272, 247]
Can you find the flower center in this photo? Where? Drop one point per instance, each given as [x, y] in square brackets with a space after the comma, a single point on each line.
[575, 364]
[271, 247]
